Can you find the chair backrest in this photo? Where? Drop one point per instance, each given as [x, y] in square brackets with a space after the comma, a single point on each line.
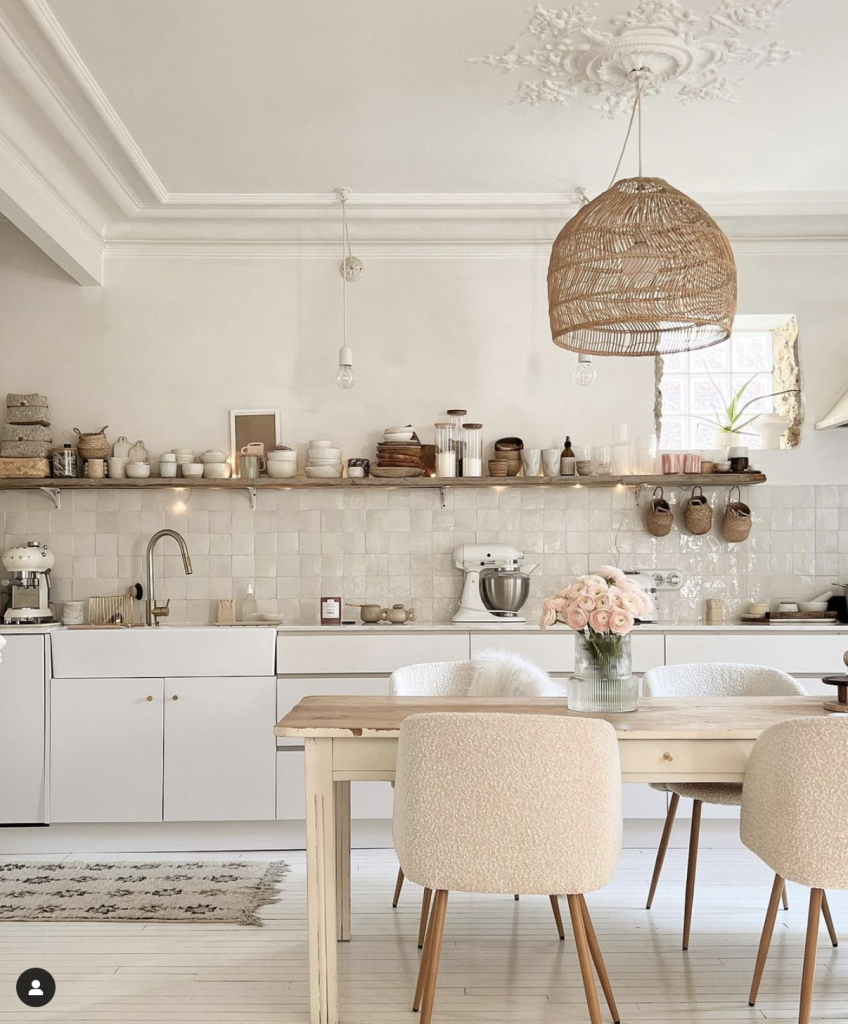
[508, 803]
[722, 679]
[432, 679]
[794, 807]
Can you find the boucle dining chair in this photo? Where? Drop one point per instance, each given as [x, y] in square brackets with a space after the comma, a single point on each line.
[723, 679]
[494, 803]
[795, 818]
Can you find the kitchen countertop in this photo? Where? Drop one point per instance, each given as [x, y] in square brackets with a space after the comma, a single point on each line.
[532, 627]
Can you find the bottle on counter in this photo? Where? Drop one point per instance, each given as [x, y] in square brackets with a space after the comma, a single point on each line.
[248, 605]
[568, 460]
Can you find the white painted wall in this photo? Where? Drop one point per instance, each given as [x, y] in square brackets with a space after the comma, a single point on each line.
[168, 346]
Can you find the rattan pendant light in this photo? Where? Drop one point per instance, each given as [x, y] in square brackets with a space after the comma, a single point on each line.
[642, 270]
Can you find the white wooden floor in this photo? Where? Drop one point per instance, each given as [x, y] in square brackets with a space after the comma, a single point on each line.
[501, 960]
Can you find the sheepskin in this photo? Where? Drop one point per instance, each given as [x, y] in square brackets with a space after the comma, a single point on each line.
[499, 673]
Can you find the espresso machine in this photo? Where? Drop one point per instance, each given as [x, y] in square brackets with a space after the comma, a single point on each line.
[29, 569]
[495, 587]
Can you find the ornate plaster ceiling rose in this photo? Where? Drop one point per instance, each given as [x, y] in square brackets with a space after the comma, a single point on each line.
[685, 51]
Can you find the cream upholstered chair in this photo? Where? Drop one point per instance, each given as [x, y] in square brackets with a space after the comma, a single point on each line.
[705, 680]
[795, 817]
[429, 679]
[497, 803]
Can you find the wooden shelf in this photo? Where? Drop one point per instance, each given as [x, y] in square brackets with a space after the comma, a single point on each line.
[265, 483]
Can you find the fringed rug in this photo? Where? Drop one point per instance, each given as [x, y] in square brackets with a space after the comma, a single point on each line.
[220, 891]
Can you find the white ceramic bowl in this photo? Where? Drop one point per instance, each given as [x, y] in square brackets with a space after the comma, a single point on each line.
[212, 456]
[138, 470]
[813, 606]
[281, 456]
[324, 472]
[404, 428]
[217, 470]
[320, 444]
[192, 470]
[324, 454]
[282, 470]
[398, 435]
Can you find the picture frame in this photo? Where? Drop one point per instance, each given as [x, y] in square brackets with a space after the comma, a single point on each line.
[252, 425]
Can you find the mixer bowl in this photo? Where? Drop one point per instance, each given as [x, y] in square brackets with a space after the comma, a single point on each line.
[504, 591]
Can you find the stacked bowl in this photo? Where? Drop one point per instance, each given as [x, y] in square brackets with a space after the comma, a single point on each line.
[323, 460]
[281, 463]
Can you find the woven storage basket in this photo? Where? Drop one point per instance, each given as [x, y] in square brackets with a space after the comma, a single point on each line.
[24, 449]
[26, 432]
[31, 414]
[697, 514]
[659, 520]
[22, 401]
[93, 445]
[737, 522]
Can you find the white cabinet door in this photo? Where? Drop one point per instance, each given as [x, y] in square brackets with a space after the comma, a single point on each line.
[220, 749]
[553, 651]
[106, 750]
[799, 654]
[367, 799]
[22, 731]
[372, 653]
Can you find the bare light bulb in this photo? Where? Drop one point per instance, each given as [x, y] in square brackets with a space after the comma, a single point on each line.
[585, 373]
[345, 378]
[639, 265]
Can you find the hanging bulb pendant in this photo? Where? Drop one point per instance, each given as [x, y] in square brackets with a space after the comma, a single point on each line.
[345, 378]
[585, 373]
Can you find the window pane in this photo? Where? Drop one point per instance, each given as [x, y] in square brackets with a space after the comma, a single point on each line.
[677, 363]
[675, 434]
[716, 359]
[674, 394]
[707, 394]
[760, 385]
[752, 352]
[703, 435]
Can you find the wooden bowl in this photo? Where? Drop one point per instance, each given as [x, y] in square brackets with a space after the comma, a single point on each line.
[498, 467]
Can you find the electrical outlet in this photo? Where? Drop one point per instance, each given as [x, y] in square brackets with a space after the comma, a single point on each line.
[667, 579]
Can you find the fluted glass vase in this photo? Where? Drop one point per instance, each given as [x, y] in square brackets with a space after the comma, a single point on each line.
[602, 679]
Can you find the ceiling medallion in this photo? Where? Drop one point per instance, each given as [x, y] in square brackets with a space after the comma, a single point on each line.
[683, 50]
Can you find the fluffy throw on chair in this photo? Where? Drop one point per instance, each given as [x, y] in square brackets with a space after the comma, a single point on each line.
[504, 674]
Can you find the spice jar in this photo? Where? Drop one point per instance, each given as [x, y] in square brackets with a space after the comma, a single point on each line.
[472, 461]
[65, 461]
[445, 450]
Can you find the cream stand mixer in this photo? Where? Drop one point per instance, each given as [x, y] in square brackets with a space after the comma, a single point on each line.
[495, 587]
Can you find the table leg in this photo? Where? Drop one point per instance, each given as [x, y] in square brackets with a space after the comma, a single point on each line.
[321, 881]
[343, 860]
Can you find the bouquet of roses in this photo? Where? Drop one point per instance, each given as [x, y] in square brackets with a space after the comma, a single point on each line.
[606, 602]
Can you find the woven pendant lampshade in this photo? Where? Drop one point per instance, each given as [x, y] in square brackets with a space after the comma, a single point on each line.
[641, 270]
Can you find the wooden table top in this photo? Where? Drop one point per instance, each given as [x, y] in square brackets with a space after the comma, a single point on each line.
[657, 717]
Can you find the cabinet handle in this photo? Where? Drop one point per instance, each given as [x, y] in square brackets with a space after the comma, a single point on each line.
[667, 757]
[175, 697]
[150, 698]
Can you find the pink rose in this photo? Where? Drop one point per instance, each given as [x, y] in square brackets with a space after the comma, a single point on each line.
[577, 619]
[575, 589]
[593, 578]
[600, 620]
[585, 603]
[603, 602]
[621, 622]
[563, 592]
[558, 603]
[616, 598]
[647, 604]
[611, 572]
[549, 616]
[597, 590]
[631, 602]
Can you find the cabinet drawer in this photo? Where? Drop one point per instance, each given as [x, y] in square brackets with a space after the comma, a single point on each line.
[291, 692]
[366, 654]
[647, 651]
[553, 651]
[813, 654]
[684, 761]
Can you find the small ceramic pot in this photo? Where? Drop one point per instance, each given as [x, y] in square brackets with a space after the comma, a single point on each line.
[95, 468]
[398, 615]
[117, 467]
[371, 613]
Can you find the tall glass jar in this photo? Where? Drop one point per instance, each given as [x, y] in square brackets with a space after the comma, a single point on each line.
[445, 451]
[472, 456]
[458, 419]
[602, 680]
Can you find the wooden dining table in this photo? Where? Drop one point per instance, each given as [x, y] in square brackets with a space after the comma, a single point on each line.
[354, 739]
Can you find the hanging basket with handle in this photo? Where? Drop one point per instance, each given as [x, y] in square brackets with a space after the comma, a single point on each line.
[93, 445]
[737, 522]
[659, 520]
[697, 514]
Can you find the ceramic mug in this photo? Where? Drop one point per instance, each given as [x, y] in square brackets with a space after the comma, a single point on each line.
[550, 461]
[250, 466]
[95, 468]
[531, 460]
[117, 467]
[256, 448]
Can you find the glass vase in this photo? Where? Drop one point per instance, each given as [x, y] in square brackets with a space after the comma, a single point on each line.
[602, 680]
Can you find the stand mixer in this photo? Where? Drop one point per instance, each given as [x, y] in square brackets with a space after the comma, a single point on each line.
[495, 587]
[29, 568]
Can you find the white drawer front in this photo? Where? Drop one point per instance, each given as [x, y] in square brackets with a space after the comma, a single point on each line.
[648, 651]
[363, 654]
[797, 654]
[553, 651]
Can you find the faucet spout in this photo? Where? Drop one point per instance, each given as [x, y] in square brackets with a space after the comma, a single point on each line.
[152, 611]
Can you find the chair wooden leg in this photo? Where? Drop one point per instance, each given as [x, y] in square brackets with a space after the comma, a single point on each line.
[828, 920]
[425, 913]
[558, 916]
[666, 835]
[785, 897]
[809, 972]
[398, 887]
[584, 956]
[694, 837]
[434, 941]
[598, 959]
[777, 889]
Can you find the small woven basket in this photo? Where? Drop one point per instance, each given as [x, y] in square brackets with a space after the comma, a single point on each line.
[697, 514]
[736, 525]
[659, 520]
[93, 445]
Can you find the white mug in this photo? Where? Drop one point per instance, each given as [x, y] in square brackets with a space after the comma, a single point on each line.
[531, 459]
[550, 461]
[256, 448]
[117, 467]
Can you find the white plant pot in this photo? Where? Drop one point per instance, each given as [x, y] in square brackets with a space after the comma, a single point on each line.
[725, 439]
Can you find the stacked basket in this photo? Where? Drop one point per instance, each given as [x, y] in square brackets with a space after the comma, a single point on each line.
[26, 439]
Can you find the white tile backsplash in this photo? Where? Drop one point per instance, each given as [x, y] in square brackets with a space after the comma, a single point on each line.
[395, 544]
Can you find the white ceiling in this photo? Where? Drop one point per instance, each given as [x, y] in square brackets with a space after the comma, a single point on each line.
[297, 96]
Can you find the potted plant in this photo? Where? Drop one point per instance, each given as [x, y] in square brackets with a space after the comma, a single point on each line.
[730, 421]
[602, 609]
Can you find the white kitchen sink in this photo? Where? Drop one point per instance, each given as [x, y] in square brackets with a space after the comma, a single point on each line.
[171, 651]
